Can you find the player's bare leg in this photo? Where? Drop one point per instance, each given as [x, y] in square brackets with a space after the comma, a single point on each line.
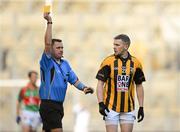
[54, 130]
[126, 127]
[111, 128]
[57, 130]
[25, 128]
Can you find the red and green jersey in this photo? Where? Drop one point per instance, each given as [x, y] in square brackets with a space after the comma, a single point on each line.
[29, 98]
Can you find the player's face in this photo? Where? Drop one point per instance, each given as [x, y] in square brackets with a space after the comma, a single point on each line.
[119, 47]
[33, 78]
[57, 50]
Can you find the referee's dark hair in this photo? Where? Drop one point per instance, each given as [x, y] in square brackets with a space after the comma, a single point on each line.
[124, 38]
[31, 72]
[56, 40]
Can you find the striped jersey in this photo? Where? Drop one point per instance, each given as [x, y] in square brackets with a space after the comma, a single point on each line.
[120, 76]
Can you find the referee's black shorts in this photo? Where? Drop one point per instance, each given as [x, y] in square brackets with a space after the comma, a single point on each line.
[51, 113]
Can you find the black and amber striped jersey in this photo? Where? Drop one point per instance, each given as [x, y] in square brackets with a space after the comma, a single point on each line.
[120, 76]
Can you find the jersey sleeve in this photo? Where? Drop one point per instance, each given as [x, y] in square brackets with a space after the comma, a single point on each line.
[139, 74]
[45, 61]
[20, 95]
[104, 71]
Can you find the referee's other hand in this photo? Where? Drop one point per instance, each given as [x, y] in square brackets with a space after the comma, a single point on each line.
[88, 90]
[140, 114]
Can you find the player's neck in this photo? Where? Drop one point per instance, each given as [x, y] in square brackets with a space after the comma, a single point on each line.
[32, 85]
[125, 55]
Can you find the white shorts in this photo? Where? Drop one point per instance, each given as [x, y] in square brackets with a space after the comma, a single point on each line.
[30, 118]
[113, 117]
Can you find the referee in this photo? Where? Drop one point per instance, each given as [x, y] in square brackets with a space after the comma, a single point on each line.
[117, 77]
[55, 75]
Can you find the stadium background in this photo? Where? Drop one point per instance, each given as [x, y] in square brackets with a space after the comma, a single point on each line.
[87, 28]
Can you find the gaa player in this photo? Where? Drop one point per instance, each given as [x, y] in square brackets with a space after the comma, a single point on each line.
[117, 77]
[27, 107]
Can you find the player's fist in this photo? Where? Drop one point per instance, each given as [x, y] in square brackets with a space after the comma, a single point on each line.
[18, 119]
[103, 109]
[140, 114]
[88, 90]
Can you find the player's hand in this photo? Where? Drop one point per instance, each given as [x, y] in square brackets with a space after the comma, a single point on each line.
[140, 114]
[18, 119]
[88, 90]
[103, 109]
[47, 16]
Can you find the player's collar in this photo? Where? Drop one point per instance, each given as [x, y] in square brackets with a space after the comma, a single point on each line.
[123, 59]
[30, 86]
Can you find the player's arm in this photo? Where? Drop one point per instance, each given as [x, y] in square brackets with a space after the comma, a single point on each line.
[102, 76]
[18, 107]
[99, 90]
[79, 85]
[48, 33]
[18, 103]
[140, 94]
[140, 97]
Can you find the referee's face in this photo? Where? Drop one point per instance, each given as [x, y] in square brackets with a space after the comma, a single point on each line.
[119, 47]
[57, 50]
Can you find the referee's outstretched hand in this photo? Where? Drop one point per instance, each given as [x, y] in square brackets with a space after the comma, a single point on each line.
[47, 17]
[88, 90]
[102, 109]
[140, 114]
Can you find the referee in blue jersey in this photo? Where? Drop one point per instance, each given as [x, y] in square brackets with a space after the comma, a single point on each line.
[55, 75]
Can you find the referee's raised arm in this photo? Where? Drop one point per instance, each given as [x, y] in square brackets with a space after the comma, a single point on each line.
[48, 33]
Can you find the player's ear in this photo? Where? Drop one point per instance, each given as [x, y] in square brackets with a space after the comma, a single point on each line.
[126, 46]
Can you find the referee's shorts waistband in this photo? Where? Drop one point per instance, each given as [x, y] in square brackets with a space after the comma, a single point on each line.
[51, 101]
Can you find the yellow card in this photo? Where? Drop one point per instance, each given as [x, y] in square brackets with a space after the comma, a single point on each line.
[47, 8]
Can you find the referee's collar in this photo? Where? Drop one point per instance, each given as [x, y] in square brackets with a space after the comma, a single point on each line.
[123, 59]
[60, 61]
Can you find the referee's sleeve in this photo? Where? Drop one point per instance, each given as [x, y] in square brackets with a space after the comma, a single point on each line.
[104, 73]
[72, 77]
[45, 61]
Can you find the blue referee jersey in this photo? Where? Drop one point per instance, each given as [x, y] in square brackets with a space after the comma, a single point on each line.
[55, 78]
